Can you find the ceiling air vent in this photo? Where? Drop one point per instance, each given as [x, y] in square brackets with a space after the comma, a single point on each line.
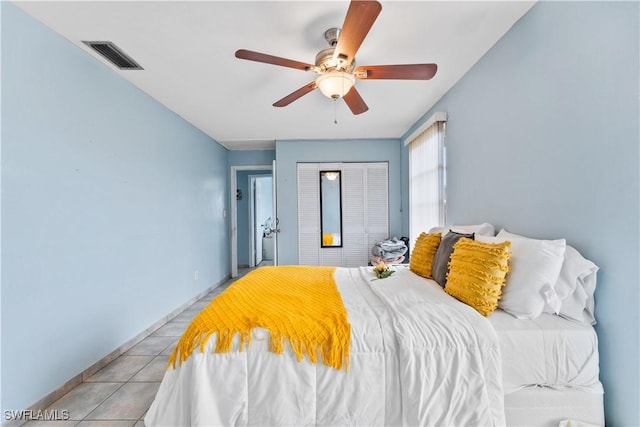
[114, 54]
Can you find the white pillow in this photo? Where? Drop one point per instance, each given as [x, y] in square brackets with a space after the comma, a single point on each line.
[575, 288]
[534, 269]
[484, 229]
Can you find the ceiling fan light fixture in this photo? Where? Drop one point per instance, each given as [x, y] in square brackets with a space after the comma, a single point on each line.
[335, 84]
[336, 65]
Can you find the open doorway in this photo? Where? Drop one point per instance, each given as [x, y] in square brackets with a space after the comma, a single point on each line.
[252, 237]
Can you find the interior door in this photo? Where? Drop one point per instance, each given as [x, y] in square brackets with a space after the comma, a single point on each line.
[257, 217]
[276, 225]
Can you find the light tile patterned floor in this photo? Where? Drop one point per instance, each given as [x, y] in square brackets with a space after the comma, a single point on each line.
[120, 394]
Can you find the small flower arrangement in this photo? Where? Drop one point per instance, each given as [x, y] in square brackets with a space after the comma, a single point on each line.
[382, 271]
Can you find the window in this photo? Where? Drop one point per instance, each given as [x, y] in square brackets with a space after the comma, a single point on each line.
[427, 201]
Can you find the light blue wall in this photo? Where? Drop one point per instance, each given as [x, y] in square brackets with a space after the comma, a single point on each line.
[110, 202]
[251, 157]
[289, 153]
[543, 139]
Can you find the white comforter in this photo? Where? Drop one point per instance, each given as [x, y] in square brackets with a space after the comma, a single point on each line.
[418, 357]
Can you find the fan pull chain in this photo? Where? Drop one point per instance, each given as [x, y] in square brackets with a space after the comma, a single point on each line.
[335, 111]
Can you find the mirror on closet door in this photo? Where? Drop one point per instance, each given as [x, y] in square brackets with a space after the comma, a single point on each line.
[330, 209]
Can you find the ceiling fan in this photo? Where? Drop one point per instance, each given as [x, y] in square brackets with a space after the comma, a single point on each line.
[336, 65]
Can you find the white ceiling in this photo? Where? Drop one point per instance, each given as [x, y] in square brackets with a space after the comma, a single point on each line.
[187, 52]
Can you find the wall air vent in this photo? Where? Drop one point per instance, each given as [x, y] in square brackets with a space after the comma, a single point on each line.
[114, 54]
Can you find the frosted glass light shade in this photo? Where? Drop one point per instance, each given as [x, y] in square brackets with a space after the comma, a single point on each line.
[335, 84]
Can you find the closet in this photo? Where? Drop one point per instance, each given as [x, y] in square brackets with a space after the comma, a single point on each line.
[364, 212]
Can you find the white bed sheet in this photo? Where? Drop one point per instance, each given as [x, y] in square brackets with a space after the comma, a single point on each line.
[418, 357]
[549, 352]
[544, 407]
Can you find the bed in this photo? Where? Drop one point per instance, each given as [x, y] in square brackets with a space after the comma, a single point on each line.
[383, 385]
[418, 356]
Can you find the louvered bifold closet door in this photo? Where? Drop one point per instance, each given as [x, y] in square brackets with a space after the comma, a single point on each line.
[365, 213]
[356, 252]
[377, 203]
[308, 214]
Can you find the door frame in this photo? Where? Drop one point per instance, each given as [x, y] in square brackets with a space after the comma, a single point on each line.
[233, 203]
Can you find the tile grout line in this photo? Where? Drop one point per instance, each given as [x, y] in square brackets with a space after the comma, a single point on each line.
[104, 400]
[122, 384]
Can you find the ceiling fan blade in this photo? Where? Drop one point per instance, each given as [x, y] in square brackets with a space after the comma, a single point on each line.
[295, 95]
[397, 72]
[360, 18]
[270, 59]
[355, 102]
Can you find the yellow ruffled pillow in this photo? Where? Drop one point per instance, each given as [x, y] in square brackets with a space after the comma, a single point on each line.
[477, 273]
[423, 252]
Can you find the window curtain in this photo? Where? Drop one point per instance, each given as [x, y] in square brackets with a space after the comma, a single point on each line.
[427, 201]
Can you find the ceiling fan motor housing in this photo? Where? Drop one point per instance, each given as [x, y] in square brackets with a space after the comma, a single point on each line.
[325, 61]
[331, 36]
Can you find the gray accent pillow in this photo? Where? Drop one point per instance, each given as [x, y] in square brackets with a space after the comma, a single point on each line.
[440, 266]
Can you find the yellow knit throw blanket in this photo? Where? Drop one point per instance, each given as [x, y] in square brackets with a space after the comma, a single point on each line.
[300, 305]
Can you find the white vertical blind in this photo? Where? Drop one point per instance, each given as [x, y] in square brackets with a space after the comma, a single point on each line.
[427, 180]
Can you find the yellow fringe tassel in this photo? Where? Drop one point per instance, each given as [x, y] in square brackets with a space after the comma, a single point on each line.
[299, 305]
